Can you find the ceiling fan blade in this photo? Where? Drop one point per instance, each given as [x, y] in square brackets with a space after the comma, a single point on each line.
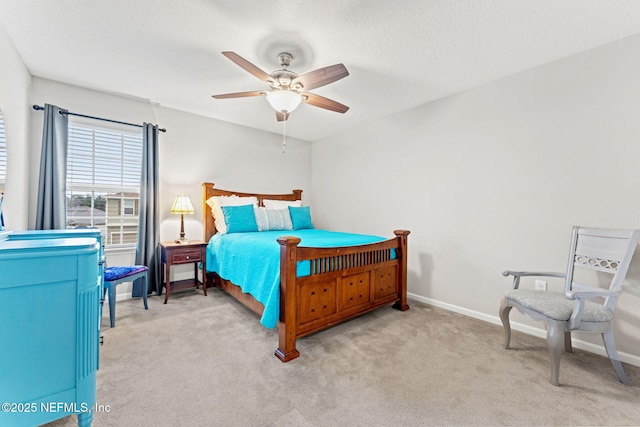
[322, 102]
[281, 116]
[320, 77]
[248, 66]
[239, 94]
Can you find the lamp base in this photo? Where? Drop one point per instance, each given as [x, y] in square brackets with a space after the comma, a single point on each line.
[182, 239]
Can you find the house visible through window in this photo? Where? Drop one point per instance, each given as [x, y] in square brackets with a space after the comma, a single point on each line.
[3, 155]
[103, 182]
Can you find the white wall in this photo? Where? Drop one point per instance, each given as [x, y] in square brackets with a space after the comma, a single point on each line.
[197, 149]
[15, 82]
[494, 178]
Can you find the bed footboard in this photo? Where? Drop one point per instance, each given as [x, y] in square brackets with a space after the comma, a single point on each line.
[343, 283]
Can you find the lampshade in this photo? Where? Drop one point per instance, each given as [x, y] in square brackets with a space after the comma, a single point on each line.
[284, 101]
[182, 205]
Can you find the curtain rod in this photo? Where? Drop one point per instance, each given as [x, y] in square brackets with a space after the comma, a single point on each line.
[37, 107]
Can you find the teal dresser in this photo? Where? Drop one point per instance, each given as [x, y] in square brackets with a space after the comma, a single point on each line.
[50, 295]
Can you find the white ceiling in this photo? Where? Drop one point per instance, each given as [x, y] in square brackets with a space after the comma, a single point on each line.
[400, 53]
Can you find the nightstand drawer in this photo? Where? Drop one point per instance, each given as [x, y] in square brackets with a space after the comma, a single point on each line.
[186, 256]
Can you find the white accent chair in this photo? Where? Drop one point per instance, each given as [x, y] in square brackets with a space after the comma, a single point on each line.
[580, 307]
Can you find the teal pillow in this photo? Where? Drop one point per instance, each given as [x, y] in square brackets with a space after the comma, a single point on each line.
[239, 219]
[300, 217]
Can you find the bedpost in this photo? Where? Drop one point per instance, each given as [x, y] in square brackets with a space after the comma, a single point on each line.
[209, 226]
[401, 304]
[287, 326]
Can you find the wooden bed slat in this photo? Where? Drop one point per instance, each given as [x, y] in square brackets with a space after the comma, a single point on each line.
[328, 264]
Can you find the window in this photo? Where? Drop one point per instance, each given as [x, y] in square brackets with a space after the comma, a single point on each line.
[128, 206]
[103, 181]
[3, 155]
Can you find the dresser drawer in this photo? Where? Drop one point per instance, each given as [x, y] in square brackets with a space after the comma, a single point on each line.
[189, 255]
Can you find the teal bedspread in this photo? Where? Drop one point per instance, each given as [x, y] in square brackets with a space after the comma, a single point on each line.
[252, 261]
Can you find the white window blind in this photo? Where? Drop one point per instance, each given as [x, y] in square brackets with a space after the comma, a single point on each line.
[103, 181]
[3, 155]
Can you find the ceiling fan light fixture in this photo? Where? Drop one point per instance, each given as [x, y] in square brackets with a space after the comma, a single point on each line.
[284, 101]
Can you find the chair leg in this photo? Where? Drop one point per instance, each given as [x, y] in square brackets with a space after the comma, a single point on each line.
[112, 304]
[144, 291]
[555, 339]
[610, 346]
[504, 316]
[567, 342]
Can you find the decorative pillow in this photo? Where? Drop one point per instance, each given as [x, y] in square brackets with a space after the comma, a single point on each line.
[280, 204]
[239, 219]
[216, 202]
[300, 217]
[273, 219]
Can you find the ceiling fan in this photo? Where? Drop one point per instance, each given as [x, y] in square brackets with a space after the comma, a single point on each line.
[288, 89]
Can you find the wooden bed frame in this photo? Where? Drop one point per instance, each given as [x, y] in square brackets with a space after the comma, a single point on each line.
[345, 282]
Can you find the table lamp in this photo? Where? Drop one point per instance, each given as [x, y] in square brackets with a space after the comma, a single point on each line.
[182, 206]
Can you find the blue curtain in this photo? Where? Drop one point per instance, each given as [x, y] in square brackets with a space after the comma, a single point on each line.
[1, 215]
[52, 184]
[147, 252]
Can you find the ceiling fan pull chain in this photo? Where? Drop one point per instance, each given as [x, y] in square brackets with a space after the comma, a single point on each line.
[284, 140]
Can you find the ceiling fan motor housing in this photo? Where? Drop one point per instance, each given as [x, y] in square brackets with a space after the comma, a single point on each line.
[284, 58]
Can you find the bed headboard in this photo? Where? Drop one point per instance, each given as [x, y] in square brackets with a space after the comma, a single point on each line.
[209, 190]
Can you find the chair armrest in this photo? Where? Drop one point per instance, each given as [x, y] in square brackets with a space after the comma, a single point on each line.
[518, 274]
[532, 273]
[580, 291]
[580, 298]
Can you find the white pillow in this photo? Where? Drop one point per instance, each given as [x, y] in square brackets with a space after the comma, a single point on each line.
[273, 219]
[216, 203]
[281, 204]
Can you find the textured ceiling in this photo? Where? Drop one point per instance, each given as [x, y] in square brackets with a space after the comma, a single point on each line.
[400, 53]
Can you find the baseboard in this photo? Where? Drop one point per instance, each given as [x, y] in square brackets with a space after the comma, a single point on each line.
[538, 332]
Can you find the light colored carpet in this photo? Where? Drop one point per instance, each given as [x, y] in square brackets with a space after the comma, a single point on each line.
[206, 361]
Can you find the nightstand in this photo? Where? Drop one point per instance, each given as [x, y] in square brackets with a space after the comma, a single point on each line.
[173, 253]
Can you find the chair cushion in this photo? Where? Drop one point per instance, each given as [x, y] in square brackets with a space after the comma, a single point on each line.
[115, 273]
[557, 306]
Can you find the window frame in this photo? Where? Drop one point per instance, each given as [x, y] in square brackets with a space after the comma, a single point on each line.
[3, 154]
